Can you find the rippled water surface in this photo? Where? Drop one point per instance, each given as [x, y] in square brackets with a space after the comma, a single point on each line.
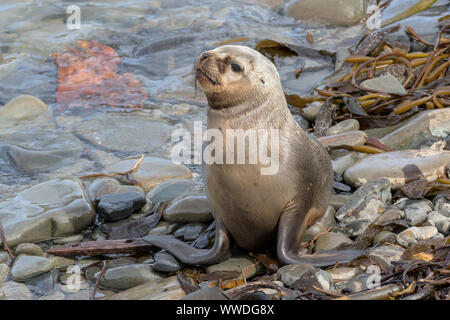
[158, 41]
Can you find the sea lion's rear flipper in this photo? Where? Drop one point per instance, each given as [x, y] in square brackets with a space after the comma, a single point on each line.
[292, 224]
[193, 256]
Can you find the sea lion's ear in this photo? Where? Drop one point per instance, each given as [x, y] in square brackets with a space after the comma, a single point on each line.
[262, 81]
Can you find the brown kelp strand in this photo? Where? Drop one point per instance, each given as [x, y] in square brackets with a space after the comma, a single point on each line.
[421, 80]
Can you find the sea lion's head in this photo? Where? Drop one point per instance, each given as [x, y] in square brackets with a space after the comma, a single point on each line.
[234, 75]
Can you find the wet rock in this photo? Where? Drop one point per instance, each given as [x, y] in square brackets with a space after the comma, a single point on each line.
[325, 279]
[4, 257]
[60, 262]
[364, 207]
[290, 273]
[427, 124]
[103, 186]
[162, 289]
[127, 188]
[23, 109]
[189, 208]
[344, 126]
[391, 214]
[441, 222]
[137, 132]
[331, 240]
[51, 209]
[310, 111]
[387, 83]
[239, 265]
[190, 231]
[383, 237]
[414, 234]
[338, 12]
[4, 270]
[128, 276]
[40, 150]
[343, 273]
[44, 283]
[326, 221]
[165, 262]
[15, 291]
[358, 283]
[343, 162]
[442, 204]
[388, 253]
[29, 249]
[338, 200]
[212, 293]
[169, 190]
[349, 138]
[26, 267]
[118, 206]
[161, 228]
[69, 239]
[430, 163]
[152, 171]
[416, 211]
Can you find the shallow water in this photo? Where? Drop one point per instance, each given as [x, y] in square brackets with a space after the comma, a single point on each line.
[158, 42]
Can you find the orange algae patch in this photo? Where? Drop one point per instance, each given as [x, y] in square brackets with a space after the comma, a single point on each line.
[87, 77]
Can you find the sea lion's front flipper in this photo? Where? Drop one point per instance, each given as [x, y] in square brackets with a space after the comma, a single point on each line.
[292, 224]
[193, 256]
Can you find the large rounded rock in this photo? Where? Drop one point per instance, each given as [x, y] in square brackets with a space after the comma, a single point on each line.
[292, 272]
[4, 270]
[15, 291]
[118, 206]
[165, 262]
[389, 165]
[169, 190]
[238, 265]
[26, 267]
[189, 208]
[152, 171]
[128, 276]
[344, 126]
[23, 107]
[333, 12]
[29, 249]
[388, 253]
[38, 150]
[413, 131]
[331, 240]
[54, 208]
[348, 138]
[414, 234]
[103, 186]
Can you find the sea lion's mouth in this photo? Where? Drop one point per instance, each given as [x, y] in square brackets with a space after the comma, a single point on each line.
[200, 74]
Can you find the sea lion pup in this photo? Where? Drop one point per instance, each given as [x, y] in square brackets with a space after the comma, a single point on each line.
[244, 91]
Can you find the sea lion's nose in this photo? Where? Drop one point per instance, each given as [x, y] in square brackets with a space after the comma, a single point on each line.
[204, 56]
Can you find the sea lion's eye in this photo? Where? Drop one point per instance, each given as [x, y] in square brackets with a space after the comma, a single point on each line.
[235, 67]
